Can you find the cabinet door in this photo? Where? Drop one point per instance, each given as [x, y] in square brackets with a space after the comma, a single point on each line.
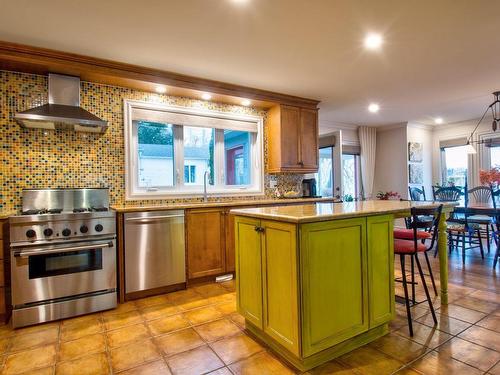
[249, 269]
[309, 138]
[281, 318]
[230, 261]
[334, 283]
[290, 137]
[205, 242]
[380, 269]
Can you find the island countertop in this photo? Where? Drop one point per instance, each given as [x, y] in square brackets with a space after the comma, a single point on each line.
[307, 213]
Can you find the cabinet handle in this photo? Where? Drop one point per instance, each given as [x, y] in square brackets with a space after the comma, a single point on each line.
[259, 229]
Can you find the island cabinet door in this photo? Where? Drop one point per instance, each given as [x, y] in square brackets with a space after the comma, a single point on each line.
[380, 269]
[248, 244]
[334, 283]
[281, 316]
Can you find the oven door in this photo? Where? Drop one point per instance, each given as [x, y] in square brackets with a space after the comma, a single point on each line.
[44, 273]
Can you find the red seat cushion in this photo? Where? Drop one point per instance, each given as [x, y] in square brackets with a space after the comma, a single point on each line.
[407, 247]
[407, 234]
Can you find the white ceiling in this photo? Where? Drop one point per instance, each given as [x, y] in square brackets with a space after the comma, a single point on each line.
[440, 57]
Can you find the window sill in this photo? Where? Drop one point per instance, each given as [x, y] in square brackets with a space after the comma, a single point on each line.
[157, 195]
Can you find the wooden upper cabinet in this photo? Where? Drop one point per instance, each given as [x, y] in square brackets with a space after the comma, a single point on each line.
[292, 139]
[205, 239]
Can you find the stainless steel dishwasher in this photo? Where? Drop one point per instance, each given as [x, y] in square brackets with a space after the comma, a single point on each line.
[154, 250]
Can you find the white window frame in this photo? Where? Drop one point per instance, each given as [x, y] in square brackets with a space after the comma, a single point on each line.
[179, 190]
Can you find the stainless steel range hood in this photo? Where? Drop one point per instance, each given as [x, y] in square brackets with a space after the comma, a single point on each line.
[63, 110]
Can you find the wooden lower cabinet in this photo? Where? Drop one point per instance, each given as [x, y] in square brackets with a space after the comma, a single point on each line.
[205, 242]
[315, 291]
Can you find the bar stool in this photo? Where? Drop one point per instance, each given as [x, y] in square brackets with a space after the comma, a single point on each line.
[412, 245]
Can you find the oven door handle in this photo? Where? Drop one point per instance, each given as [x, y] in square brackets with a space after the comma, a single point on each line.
[41, 251]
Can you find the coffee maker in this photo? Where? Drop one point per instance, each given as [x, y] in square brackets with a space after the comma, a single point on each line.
[309, 188]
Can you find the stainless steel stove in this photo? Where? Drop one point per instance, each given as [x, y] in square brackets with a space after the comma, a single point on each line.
[63, 255]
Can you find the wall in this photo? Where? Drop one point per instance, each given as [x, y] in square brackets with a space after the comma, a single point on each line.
[34, 158]
[391, 169]
[423, 134]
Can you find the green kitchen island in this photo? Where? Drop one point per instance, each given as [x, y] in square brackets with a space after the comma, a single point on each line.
[316, 281]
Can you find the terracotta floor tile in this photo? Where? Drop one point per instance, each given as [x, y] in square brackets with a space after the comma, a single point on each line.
[399, 347]
[202, 315]
[41, 371]
[24, 361]
[476, 304]
[192, 302]
[261, 363]
[495, 370]
[179, 341]
[134, 354]
[226, 308]
[483, 337]
[226, 297]
[82, 319]
[69, 350]
[491, 322]
[94, 364]
[221, 371]
[367, 360]
[331, 368]
[152, 368]
[34, 339]
[229, 285]
[151, 301]
[121, 308]
[197, 361]
[4, 344]
[159, 311]
[486, 296]
[424, 335]
[126, 335]
[36, 328]
[445, 323]
[461, 313]
[236, 348]
[407, 371]
[77, 330]
[168, 324]
[120, 320]
[210, 290]
[217, 329]
[238, 319]
[472, 354]
[436, 363]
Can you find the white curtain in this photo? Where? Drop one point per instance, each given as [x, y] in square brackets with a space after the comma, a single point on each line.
[368, 142]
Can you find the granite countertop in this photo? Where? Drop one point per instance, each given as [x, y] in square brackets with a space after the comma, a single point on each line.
[307, 213]
[210, 204]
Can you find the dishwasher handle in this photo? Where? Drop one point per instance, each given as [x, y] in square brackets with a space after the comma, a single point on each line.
[149, 219]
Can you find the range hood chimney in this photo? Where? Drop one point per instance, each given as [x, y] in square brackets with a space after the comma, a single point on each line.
[63, 110]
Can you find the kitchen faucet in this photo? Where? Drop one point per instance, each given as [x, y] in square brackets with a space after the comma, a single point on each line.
[205, 175]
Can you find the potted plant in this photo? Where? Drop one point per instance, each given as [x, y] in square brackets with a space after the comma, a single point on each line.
[490, 177]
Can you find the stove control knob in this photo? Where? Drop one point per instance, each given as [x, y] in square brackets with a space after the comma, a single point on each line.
[48, 232]
[99, 228]
[66, 232]
[30, 233]
[84, 229]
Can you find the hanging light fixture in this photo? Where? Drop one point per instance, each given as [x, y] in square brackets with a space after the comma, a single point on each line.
[495, 113]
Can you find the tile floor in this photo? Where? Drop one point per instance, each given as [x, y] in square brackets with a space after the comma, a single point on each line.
[198, 331]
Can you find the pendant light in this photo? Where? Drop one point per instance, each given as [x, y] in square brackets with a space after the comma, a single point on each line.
[495, 113]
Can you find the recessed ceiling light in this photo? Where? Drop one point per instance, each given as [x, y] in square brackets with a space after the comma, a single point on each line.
[373, 41]
[374, 108]
[246, 102]
[160, 89]
[206, 96]
[438, 120]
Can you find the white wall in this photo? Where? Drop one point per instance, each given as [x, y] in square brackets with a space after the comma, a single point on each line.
[423, 134]
[391, 167]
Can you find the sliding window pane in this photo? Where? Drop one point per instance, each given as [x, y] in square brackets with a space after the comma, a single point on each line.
[349, 176]
[455, 163]
[325, 172]
[237, 157]
[156, 154]
[198, 155]
[494, 157]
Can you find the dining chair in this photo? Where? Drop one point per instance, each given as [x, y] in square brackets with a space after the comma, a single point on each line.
[413, 245]
[464, 233]
[481, 196]
[447, 193]
[417, 194]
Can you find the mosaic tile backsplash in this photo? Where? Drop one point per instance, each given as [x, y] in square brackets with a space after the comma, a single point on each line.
[36, 158]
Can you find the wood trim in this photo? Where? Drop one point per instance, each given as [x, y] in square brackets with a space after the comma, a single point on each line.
[155, 291]
[24, 58]
[120, 257]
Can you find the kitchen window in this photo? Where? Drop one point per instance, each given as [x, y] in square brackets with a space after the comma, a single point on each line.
[454, 165]
[351, 176]
[170, 149]
[324, 177]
